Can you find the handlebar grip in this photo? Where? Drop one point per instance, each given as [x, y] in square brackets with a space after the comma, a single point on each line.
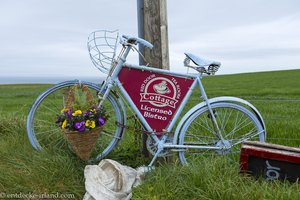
[141, 41]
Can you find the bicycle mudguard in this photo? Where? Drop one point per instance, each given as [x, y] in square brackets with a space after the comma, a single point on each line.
[217, 100]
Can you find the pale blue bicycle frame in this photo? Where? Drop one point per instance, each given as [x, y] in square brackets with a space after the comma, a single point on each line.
[112, 81]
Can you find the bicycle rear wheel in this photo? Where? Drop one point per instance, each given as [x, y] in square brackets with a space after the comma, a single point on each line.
[236, 124]
[44, 133]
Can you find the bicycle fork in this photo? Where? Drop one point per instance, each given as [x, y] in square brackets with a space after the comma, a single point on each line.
[105, 90]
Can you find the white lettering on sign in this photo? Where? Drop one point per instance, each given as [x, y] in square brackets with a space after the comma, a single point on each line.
[177, 88]
[154, 116]
[158, 99]
[146, 81]
[156, 110]
[272, 172]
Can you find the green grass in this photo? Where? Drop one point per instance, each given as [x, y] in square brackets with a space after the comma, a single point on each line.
[18, 98]
[211, 179]
[275, 94]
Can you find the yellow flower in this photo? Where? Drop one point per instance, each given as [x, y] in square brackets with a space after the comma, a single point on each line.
[64, 124]
[90, 123]
[76, 113]
[64, 110]
[93, 110]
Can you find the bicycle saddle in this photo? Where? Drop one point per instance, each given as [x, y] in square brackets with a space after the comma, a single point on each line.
[202, 62]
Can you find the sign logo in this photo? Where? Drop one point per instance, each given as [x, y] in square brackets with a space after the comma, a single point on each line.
[161, 88]
[160, 92]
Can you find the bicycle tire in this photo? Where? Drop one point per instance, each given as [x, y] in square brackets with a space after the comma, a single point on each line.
[234, 122]
[43, 133]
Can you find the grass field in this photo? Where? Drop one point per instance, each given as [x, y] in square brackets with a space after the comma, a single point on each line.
[275, 94]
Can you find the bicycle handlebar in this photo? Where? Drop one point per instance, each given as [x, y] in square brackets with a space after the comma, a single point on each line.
[136, 40]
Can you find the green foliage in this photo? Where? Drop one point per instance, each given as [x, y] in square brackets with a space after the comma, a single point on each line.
[18, 98]
[210, 178]
[24, 170]
[275, 94]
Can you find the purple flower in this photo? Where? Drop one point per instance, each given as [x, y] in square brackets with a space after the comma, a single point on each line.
[101, 121]
[87, 113]
[58, 120]
[69, 113]
[80, 126]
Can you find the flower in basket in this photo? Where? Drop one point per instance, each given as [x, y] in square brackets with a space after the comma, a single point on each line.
[79, 120]
[80, 113]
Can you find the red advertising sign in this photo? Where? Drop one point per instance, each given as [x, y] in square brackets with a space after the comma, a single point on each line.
[156, 95]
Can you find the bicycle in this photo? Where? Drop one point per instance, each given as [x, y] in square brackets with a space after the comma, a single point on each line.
[157, 97]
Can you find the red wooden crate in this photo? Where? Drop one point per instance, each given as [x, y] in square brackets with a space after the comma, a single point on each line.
[270, 161]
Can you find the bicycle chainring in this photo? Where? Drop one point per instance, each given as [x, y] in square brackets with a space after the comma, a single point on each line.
[152, 148]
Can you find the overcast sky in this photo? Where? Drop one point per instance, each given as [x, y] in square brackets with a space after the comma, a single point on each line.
[48, 37]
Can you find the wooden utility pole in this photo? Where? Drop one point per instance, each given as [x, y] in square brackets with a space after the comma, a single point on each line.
[153, 26]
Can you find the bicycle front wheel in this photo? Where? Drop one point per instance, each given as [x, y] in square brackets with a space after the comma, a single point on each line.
[44, 133]
[236, 124]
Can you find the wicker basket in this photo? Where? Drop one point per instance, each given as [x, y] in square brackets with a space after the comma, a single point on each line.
[82, 143]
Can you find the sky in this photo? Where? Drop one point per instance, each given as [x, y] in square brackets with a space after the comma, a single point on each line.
[48, 37]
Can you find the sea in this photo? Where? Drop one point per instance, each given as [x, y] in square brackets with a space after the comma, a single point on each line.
[45, 80]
